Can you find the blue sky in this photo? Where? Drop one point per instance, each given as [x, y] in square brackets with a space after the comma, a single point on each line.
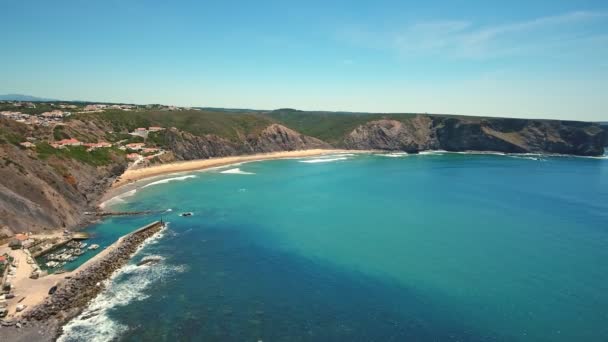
[545, 58]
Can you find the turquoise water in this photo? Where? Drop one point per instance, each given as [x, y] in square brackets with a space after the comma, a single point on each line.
[367, 248]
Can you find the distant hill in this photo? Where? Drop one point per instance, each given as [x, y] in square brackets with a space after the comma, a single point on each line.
[27, 98]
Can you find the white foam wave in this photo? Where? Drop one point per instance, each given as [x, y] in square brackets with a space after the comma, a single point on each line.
[493, 153]
[432, 152]
[537, 158]
[394, 154]
[167, 180]
[336, 155]
[237, 171]
[126, 285]
[322, 160]
[117, 199]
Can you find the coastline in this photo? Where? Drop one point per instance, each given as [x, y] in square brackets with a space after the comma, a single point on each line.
[131, 178]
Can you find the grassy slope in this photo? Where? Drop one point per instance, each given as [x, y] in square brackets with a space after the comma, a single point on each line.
[229, 125]
[328, 126]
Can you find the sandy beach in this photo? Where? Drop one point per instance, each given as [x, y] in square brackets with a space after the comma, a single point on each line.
[133, 175]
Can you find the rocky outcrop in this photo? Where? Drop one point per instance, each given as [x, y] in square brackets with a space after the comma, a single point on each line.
[40, 194]
[422, 132]
[186, 146]
[412, 135]
[280, 138]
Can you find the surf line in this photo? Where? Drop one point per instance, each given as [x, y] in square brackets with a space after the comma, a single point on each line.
[71, 296]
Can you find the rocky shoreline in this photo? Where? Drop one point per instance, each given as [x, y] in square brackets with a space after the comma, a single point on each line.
[44, 322]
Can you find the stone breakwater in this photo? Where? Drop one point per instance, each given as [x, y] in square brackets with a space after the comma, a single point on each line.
[74, 294]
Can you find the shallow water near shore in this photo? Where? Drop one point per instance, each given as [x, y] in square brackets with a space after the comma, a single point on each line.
[365, 247]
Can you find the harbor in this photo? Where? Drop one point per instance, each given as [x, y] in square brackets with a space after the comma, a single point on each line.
[36, 288]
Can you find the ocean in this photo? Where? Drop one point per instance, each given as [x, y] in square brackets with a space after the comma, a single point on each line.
[393, 247]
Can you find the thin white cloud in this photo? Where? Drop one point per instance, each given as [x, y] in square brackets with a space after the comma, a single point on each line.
[465, 39]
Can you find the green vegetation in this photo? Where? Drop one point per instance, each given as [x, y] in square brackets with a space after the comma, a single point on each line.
[156, 139]
[97, 157]
[328, 126]
[59, 133]
[227, 125]
[7, 137]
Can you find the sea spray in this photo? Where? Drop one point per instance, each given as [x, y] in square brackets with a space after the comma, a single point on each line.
[75, 293]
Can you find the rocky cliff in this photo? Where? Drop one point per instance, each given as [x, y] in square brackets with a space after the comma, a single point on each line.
[424, 132]
[47, 192]
[186, 146]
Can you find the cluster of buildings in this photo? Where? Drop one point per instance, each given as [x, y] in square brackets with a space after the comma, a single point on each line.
[75, 142]
[44, 119]
[143, 131]
[55, 114]
[101, 107]
[139, 151]
[136, 150]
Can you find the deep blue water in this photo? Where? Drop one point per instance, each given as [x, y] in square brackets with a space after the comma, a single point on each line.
[367, 248]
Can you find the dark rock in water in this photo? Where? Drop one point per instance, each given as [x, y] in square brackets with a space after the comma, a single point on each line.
[90, 315]
[149, 261]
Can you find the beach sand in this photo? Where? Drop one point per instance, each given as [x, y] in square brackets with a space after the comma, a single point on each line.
[133, 175]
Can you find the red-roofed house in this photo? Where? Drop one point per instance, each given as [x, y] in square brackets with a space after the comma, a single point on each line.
[133, 156]
[69, 142]
[135, 146]
[21, 237]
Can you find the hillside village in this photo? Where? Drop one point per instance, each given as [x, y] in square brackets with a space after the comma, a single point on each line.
[52, 115]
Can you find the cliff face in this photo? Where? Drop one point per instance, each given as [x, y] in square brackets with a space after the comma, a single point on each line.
[186, 146]
[413, 135]
[50, 192]
[37, 195]
[463, 134]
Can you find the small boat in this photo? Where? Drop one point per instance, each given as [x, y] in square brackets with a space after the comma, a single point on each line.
[93, 246]
[79, 252]
[186, 214]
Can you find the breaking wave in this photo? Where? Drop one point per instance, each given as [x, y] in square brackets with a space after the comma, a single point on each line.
[117, 199]
[167, 180]
[432, 152]
[126, 285]
[322, 160]
[237, 171]
[394, 154]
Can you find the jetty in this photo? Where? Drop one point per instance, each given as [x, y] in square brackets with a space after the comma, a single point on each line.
[73, 294]
[121, 213]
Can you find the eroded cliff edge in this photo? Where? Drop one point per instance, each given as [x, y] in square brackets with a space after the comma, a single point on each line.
[422, 132]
